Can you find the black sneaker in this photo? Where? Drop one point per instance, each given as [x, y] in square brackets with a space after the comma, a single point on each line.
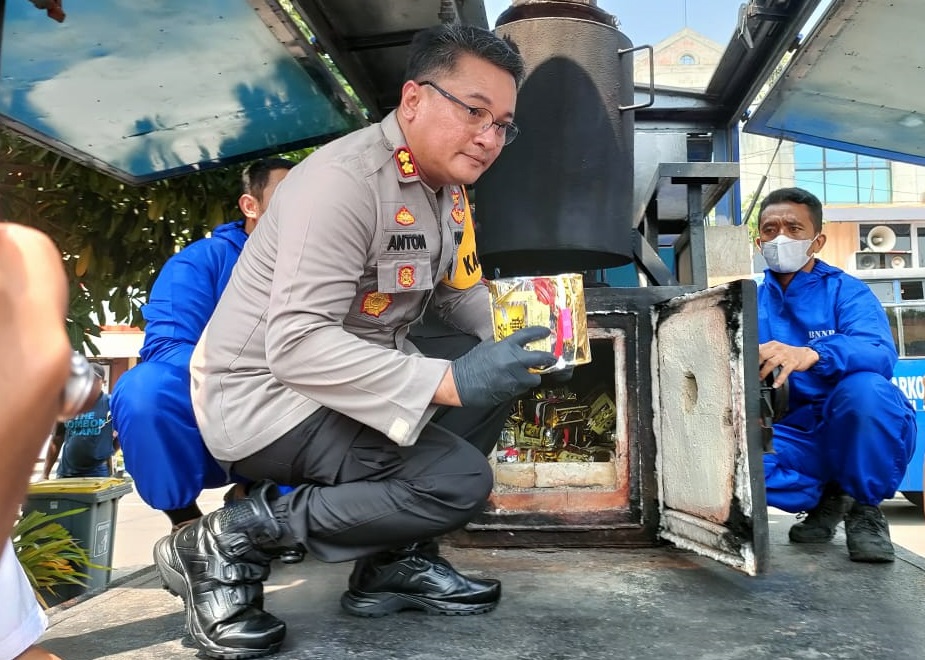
[414, 579]
[292, 556]
[868, 534]
[216, 565]
[818, 525]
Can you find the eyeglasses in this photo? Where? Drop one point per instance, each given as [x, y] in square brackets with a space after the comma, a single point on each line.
[480, 118]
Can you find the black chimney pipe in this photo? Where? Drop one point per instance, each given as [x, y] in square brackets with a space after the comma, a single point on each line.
[560, 197]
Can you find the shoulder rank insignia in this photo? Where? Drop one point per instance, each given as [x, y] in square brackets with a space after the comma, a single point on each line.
[406, 277]
[404, 217]
[374, 303]
[405, 162]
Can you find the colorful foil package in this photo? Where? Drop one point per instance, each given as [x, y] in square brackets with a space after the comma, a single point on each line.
[553, 301]
[555, 426]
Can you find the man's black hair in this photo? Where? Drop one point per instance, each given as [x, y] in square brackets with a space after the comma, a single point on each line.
[795, 196]
[436, 50]
[256, 176]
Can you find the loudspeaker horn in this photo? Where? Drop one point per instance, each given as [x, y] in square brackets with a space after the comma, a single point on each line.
[881, 239]
[866, 260]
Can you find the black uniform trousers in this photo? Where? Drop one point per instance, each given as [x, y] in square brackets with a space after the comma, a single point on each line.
[358, 493]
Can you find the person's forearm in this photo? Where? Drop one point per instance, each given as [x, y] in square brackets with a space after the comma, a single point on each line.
[36, 652]
[54, 448]
[30, 410]
[34, 418]
[33, 303]
[446, 394]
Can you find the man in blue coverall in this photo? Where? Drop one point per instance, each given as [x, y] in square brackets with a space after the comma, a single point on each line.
[151, 405]
[849, 433]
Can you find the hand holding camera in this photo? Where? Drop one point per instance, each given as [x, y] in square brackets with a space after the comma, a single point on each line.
[81, 390]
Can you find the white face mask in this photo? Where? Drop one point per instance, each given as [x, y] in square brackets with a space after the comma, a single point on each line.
[785, 254]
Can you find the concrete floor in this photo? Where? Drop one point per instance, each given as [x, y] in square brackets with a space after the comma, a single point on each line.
[657, 603]
[138, 527]
[591, 603]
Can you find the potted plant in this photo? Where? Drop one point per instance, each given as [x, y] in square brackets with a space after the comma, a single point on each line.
[49, 555]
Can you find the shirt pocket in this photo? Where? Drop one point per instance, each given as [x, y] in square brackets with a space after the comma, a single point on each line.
[399, 273]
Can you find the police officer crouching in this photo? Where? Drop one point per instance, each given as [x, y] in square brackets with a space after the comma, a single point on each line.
[306, 374]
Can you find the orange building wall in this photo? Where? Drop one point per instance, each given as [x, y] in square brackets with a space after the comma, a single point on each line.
[841, 241]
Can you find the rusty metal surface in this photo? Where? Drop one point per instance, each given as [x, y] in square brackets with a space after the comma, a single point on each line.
[688, 398]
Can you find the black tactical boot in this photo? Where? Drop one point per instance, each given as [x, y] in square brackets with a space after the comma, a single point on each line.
[819, 524]
[217, 565]
[237, 492]
[416, 578]
[868, 534]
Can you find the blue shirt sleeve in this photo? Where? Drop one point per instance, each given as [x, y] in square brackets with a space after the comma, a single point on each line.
[183, 298]
[862, 341]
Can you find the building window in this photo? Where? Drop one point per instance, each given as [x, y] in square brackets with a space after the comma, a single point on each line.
[687, 59]
[839, 177]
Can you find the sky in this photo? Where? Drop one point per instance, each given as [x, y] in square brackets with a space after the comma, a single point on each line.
[651, 21]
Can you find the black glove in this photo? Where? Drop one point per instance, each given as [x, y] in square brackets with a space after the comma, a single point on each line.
[493, 373]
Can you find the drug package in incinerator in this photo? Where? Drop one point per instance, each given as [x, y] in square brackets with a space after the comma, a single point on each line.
[553, 301]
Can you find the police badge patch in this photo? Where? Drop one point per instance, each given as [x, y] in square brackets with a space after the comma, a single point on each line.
[404, 217]
[374, 303]
[406, 276]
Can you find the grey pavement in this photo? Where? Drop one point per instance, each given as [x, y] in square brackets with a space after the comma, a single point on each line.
[558, 603]
[138, 527]
[656, 603]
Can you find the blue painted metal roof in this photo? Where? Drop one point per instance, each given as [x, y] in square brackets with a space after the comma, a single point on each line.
[856, 84]
[149, 90]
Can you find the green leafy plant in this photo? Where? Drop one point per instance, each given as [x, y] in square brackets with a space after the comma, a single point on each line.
[49, 554]
[114, 237]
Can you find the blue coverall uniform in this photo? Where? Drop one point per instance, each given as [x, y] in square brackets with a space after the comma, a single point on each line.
[151, 404]
[846, 422]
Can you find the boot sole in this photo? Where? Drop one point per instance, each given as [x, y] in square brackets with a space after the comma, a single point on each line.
[377, 605]
[292, 558]
[176, 584]
[871, 558]
[811, 541]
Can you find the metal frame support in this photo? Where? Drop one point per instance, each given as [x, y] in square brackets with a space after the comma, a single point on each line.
[697, 243]
[703, 185]
[648, 261]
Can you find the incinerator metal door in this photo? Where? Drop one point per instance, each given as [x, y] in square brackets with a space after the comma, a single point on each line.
[706, 420]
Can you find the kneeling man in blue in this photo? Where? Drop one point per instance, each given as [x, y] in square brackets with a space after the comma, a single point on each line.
[151, 405]
[849, 433]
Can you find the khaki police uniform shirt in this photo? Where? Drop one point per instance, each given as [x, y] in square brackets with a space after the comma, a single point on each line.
[351, 250]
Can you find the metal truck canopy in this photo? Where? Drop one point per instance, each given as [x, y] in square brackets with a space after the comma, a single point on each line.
[856, 83]
[144, 91]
